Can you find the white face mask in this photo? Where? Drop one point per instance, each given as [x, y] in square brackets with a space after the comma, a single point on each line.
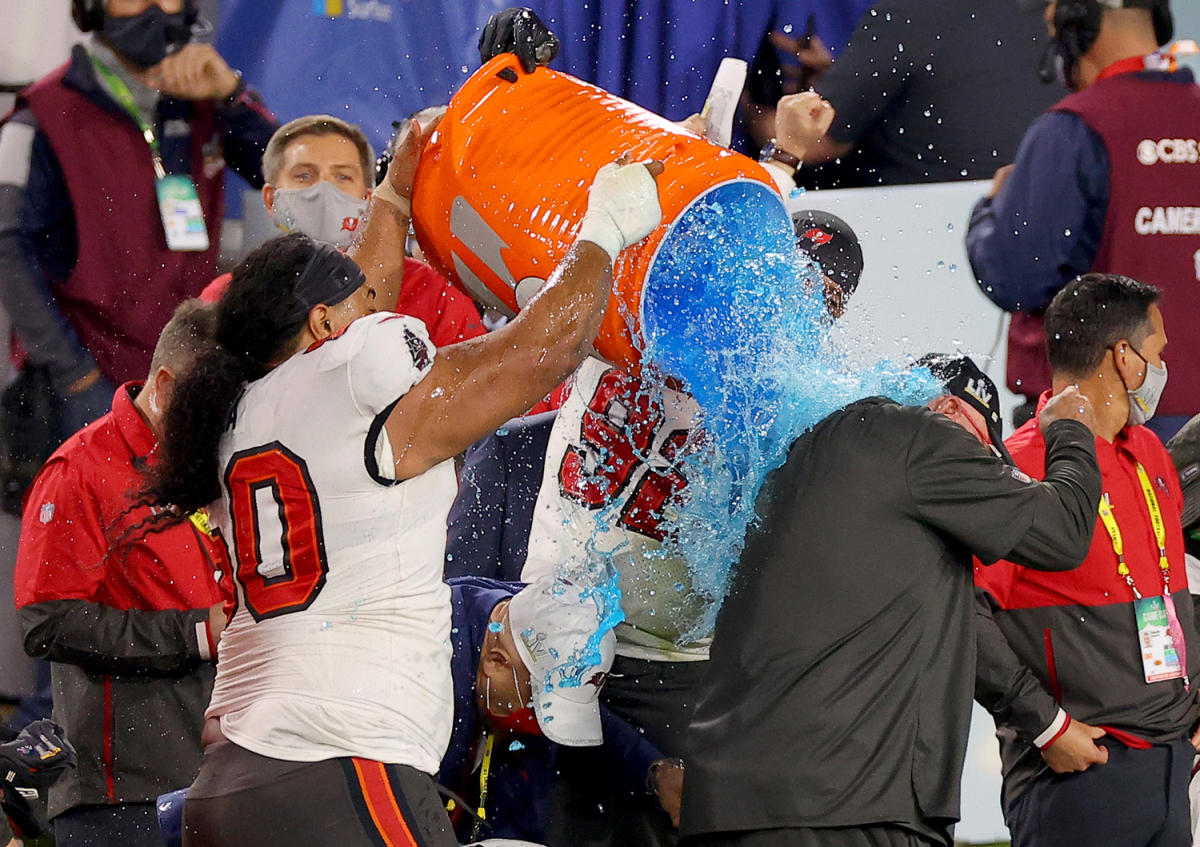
[323, 212]
[1143, 400]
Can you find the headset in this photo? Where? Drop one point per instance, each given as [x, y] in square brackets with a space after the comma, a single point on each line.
[1077, 26]
[89, 14]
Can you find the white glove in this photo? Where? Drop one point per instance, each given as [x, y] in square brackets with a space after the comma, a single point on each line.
[622, 208]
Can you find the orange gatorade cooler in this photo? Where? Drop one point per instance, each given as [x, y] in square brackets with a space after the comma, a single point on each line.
[502, 186]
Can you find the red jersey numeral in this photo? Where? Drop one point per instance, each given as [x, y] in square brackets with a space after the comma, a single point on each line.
[278, 470]
[619, 426]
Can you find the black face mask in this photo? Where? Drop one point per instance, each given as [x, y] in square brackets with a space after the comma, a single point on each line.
[147, 38]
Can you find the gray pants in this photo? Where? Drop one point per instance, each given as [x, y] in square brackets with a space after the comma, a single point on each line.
[241, 799]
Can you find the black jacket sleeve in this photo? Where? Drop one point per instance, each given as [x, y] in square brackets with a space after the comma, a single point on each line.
[104, 640]
[995, 510]
[1065, 517]
[1003, 684]
[249, 125]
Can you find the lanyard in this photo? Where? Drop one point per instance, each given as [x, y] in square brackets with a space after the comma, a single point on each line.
[1160, 534]
[484, 771]
[120, 91]
[199, 519]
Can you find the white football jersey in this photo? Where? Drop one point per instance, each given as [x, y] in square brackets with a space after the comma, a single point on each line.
[340, 642]
[613, 452]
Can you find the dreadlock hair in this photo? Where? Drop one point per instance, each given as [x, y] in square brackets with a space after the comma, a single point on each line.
[258, 319]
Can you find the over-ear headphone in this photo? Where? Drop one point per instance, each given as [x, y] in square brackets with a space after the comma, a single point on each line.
[89, 14]
[1077, 26]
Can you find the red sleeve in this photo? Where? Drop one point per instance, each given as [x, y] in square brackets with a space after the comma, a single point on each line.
[61, 554]
[213, 291]
[996, 579]
[1028, 451]
[448, 314]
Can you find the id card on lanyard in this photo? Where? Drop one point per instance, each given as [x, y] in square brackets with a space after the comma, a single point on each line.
[1160, 636]
[178, 201]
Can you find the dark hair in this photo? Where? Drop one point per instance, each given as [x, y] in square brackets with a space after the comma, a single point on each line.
[256, 323]
[1091, 314]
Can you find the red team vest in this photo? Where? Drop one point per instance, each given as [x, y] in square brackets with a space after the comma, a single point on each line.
[125, 283]
[1151, 130]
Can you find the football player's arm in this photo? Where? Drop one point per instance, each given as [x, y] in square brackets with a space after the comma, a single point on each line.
[475, 386]
[380, 251]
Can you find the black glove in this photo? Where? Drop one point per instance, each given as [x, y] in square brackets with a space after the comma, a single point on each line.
[37, 756]
[25, 809]
[518, 30]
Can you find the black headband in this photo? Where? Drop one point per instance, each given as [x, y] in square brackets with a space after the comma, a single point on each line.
[328, 278]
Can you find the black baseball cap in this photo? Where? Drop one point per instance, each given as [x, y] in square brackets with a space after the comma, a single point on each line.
[832, 244]
[1184, 448]
[963, 378]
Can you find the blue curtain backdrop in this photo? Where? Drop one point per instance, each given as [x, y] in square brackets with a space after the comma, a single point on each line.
[375, 61]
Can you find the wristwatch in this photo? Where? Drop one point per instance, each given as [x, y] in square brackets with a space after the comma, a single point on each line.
[772, 152]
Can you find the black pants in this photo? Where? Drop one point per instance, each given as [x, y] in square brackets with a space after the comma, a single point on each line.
[241, 799]
[1138, 799]
[881, 835]
[586, 809]
[120, 825]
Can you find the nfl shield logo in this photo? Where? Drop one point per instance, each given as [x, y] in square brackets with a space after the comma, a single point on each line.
[47, 513]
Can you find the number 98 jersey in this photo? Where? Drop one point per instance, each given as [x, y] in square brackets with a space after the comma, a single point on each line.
[615, 457]
[339, 644]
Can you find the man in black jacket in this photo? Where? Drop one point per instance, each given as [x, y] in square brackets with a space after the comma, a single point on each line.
[838, 699]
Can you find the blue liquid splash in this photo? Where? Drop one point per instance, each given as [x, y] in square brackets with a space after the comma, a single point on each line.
[733, 311]
[736, 315]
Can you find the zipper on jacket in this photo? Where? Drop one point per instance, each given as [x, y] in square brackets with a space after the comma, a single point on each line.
[108, 740]
[1051, 668]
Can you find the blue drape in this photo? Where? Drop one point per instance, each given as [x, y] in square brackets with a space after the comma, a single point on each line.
[375, 61]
